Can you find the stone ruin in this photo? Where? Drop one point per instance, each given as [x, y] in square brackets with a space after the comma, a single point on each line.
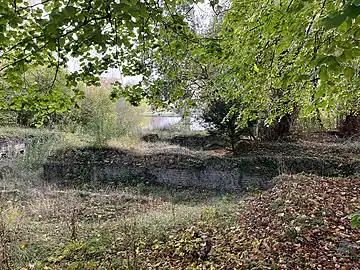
[89, 166]
[11, 148]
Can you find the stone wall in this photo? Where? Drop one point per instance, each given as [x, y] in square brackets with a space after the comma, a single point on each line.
[11, 148]
[92, 166]
[207, 178]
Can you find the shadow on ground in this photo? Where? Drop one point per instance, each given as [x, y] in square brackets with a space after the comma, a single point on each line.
[252, 169]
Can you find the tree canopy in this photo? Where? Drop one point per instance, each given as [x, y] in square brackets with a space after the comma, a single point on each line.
[275, 56]
[98, 34]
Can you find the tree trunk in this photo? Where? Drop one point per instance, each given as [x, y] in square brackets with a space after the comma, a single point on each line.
[281, 128]
[232, 136]
[350, 126]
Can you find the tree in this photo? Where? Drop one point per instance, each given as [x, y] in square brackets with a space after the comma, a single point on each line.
[222, 118]
[274, 56]
[279, 59]
[42, 98]
[99, 34]
[284, 56]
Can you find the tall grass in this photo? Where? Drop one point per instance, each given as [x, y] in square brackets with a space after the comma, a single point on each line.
[41, 222]
[44, 224]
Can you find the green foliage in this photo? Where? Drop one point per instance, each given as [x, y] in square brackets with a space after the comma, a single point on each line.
[99, 34]
[42, 98]
[355, 220]
[8, 118]
[222, 119]
[275, 57]
[98, 116]
[101, 118]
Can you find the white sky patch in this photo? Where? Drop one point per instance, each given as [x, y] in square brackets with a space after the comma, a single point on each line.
[204, 16]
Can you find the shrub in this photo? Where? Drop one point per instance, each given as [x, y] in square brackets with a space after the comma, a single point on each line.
[98, 116]
[101, 118]
[222, 120]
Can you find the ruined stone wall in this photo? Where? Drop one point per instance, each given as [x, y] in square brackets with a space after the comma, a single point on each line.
[113, 166]
[11, 148]
[207, 178]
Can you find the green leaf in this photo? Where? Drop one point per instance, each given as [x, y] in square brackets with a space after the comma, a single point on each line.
[52, 45]
[335, 21]
[121, 7]
[61, 42]
[2, 38]
[352, 11]
[346, 25]
[323, 75]
[134, 11]
[70, 11]
[349, 72]
[143, 11]
[355, 220]
[48, 8]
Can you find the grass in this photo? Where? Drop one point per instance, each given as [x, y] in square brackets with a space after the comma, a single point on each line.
[39, 219]
[143, 226]
[124, 229]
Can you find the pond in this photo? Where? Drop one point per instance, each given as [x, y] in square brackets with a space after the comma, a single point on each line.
[151, 122]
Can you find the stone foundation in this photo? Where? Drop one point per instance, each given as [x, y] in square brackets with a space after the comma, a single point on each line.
[10, 149]
[91, 166]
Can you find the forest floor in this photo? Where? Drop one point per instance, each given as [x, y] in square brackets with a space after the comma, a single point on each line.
[300, 223]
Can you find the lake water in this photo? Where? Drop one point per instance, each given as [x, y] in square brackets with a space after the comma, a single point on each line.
[152, 122]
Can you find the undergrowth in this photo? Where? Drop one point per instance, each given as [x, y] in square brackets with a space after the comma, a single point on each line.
[304, 222]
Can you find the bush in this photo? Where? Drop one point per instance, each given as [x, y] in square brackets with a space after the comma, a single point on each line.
[98, 116]
[101, 118]
[222, 120]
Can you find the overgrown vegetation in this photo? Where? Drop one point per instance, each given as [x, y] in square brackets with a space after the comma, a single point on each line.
[273, 71]
[222, 119]
[101, 118]
[291, 57]
[140, 226]
[120, 229]
[44, 225]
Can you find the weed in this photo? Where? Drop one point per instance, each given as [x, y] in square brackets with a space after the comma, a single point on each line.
[4, 245]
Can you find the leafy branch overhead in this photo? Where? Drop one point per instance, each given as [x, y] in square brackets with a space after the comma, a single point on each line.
[98, 34]
[275, 57]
